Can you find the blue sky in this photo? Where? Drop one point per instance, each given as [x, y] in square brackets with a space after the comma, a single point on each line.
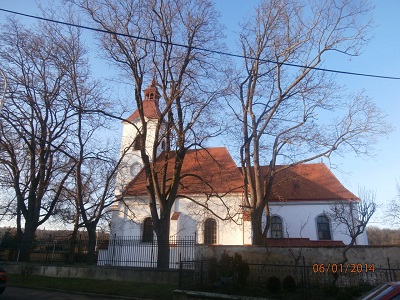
[379, 57]
[378, 173]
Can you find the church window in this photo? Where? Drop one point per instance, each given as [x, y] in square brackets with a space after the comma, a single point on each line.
[276, 227]
[210, 232]
[147, 230]
[324, 228]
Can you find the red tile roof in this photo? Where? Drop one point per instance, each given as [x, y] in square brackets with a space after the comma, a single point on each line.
[175, 216]
[307, 182]
[210, 170]
[150, 110]
[219, 174]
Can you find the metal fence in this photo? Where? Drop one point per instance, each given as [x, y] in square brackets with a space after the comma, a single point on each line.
[133, 252]
[52, 249]
[304, 280]
[117, 251]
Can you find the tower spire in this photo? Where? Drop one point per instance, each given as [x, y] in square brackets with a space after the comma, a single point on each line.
[151, 92]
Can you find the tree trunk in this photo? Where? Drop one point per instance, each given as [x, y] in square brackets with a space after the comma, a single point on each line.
[72, 246]
[74, 240]
[91, 254]
[163, 243]
[25, 246]
[258, 238]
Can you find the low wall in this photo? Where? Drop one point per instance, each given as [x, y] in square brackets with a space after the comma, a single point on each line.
[257, 254]
[194, 295]
[97, 272]
[376, 255]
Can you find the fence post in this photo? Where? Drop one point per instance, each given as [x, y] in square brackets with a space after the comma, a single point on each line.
[390, 270]
[201, 272]
[79, 247]
[180, 271]
[305, 279]
[113, 242]
[152, 251]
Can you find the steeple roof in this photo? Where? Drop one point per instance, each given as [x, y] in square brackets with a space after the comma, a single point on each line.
[151, 92]
[150, 103]
[150, 111]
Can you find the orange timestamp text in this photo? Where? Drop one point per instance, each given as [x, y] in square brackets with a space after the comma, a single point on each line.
[343, 268]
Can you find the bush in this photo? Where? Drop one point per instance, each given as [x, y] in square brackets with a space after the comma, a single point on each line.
[273, 284]
[242, 270]
[9, 240]
[289, 284]
[213, 270]
[226, 266]
[233, 270]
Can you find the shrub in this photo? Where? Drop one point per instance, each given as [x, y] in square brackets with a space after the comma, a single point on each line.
[226, 266]
[212, 271]
[233, 270]
[289, 284]
[273, 284]
[242, 270]
[331, 290]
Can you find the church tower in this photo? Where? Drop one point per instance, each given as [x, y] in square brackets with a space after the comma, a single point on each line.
[131, 142]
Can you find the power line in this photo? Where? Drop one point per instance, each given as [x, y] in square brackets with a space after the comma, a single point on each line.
[199, 48]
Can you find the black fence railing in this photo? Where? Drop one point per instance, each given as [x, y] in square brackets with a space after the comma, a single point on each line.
[301, 281]
[53, 249]
[133, 252]
[117, 251]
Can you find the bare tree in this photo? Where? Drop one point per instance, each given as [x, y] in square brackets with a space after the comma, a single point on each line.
[383, 236]
[34, 124]
[353, 217]
[291, 114]
[90, 191]
[297, 254]
[393, 208]
[3, 83]
[145, 40]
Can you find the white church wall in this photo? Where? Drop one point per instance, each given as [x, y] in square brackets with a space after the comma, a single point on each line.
[128, 222]
[229, 232]
[300, 220]
[132, 162]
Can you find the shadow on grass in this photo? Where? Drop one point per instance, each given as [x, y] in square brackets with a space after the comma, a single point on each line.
[104, 287]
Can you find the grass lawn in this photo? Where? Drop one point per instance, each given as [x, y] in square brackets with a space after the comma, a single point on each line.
[106, 287]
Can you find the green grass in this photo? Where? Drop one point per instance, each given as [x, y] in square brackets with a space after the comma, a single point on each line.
[105, 287]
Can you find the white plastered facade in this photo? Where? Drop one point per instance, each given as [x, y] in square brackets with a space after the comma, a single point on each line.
[299, 218]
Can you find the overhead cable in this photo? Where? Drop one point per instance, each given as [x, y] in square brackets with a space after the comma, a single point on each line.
[199, 48]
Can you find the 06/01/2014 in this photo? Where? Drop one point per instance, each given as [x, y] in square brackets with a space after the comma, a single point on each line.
[343, 268]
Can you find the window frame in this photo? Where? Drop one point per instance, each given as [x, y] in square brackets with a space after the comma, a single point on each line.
[210, 231]
[280, 230]
[322, 232]
[147, 231]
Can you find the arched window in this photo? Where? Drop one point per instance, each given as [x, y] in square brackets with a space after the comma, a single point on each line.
[324, 228]
[147, 230]
[210, 232]
[276, 227]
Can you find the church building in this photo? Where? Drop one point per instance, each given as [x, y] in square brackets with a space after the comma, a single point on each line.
[209, 204]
